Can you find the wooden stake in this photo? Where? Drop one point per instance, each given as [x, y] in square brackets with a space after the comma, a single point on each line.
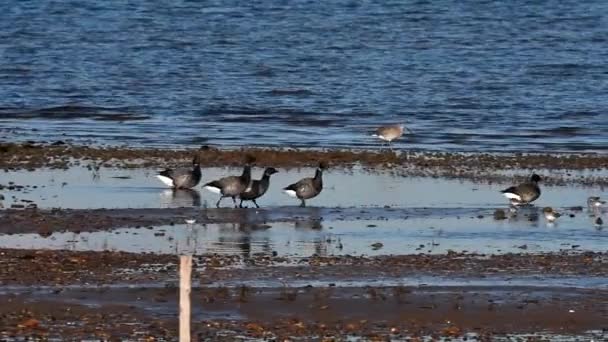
[185, 287]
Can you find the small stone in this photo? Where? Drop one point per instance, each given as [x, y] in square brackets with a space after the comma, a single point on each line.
[377, 245]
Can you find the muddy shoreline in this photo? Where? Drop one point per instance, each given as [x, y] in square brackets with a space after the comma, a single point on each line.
[399, 312]
[48, 221]
[252, 292]
[63, 267]
[474, 166]
[88, 294]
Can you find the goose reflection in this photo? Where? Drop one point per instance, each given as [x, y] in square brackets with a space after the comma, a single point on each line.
[173, 198]
[312, 221]
[242, 238]
[525, 213]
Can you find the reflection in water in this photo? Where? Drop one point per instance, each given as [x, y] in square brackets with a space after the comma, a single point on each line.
[313, 221]
[524, 213]
[172, 198]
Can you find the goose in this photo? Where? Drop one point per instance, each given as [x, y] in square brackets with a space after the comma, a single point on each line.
[390, 133]
[257, 188]
[231, 186]
[308, 187]
[524, 193]
[182, 178]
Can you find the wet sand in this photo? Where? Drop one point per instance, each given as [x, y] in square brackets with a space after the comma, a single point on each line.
[397, 246]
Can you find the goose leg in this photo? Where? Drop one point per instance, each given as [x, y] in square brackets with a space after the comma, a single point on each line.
[256, 204]
[241, 204]
[234, 201]
[218, 201]
[303, 204]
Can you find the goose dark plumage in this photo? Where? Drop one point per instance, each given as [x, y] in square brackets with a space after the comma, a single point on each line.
[524, 193]
[257, 188]
[308, 187]
[231, 186]
[182, 178]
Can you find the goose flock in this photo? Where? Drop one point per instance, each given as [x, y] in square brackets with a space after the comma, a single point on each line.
[245, 188]
[242, 187]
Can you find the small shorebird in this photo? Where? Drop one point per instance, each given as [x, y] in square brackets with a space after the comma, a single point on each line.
[550, 214]
[308, 187]
[182, 178]
[594, 203]
[390, 133]
[524, 193]
[257, 188]
[232, 186]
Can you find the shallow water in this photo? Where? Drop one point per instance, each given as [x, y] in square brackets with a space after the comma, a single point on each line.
[405, 215]
[307, 237]
[79, 188]
[488, 76]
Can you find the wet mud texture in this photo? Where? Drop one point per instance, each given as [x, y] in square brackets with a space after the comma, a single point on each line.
[480, 166]
[46, 267]
[105, 295]
[48, 221]
[376, 313]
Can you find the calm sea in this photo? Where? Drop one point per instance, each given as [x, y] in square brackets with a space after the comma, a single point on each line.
[464, 75]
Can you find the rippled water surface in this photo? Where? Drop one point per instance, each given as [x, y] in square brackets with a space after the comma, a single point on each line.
[491, 75]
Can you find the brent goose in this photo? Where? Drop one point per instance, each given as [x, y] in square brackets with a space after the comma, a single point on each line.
[231, 186]
[550, 214]
[182, 178]
[390, 133]
[524, 193]
[308, 187]
[257, 188]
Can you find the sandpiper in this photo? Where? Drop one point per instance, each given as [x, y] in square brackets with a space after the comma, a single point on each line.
[231, 186]
[257, 188]
[550, 214]
[182, 178]
[390, 133]
[594, 203]
[524, 193]
[308, 187]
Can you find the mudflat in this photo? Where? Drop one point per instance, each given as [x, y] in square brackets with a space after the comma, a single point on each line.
[397, 246]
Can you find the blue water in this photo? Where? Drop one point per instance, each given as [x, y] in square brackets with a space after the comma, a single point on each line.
[465, 76]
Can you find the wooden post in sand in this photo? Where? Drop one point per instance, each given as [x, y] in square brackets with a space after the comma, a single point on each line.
[185, 287]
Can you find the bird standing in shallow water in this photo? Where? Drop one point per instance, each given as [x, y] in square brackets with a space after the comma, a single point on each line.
[594, 203]
[182, 178]
[232, 186]
[390, 133]
[308, 187]
[550, 214]
[257, 188]
[524, 193]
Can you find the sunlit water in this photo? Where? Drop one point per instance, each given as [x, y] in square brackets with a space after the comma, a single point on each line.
[355, 212]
